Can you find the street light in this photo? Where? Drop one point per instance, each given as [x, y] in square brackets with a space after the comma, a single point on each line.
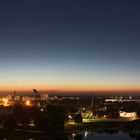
[27, 103]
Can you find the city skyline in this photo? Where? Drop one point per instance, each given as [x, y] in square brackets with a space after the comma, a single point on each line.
[70, 45]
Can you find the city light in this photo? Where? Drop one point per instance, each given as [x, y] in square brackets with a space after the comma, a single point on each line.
[86, 133]
[5, 102]
[28, 103]
[70, 117]
[128, 114]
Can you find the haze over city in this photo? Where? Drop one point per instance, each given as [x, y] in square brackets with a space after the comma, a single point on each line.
[71, 45]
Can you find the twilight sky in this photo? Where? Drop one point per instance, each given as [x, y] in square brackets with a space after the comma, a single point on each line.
[70, 45]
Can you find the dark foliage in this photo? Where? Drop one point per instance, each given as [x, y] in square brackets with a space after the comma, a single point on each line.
[78, 118]
[9, 122]
[51, 120]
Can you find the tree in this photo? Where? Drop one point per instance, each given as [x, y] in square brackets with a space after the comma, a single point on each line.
[78, 118]
[51, 120]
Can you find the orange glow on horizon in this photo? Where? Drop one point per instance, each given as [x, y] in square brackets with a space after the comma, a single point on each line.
[98, 89]
[70, 85]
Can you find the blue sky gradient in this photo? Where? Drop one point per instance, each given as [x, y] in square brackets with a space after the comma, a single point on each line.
[70, 45]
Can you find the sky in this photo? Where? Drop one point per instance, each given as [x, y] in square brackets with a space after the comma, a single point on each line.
[70, 45]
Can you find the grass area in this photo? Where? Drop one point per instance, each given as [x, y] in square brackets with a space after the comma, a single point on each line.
[104, 125]
[109, 125]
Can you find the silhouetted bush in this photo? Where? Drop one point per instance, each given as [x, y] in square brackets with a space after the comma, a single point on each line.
[78, 118]
[78, 137]
[41, 122]
[50, 120]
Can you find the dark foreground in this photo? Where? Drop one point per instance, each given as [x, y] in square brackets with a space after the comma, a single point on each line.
[94, 130]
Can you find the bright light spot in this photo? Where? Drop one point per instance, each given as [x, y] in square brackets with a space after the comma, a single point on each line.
[70, 117]
[5, 102]
[86, 133]
[84, 109]
[28, 103]
[73, 135]
[128, 114]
